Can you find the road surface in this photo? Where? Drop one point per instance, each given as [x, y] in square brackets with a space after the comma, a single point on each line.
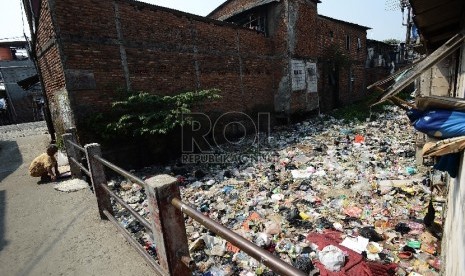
[46, 232]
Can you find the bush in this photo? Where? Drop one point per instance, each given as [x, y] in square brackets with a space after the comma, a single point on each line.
[142, 113]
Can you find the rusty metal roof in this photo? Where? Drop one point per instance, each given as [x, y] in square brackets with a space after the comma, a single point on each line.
[438, 20]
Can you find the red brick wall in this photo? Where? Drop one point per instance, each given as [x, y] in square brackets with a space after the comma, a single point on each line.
[307, 31]
[356, 55]
[47, 49]
[49, 62]
[167, 52]
[305, 48]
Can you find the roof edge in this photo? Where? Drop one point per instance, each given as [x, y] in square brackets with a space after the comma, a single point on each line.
[345, 22]
[219, 7]
[186, 14]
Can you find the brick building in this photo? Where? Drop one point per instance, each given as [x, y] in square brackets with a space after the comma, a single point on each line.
[265, 56]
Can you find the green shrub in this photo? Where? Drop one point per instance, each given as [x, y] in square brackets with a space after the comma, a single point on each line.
[142, 113]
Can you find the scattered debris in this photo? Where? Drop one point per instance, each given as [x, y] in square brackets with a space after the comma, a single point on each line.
[325, 196]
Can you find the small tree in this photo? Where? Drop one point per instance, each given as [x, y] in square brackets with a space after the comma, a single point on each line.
[142, 113]
[391, 41]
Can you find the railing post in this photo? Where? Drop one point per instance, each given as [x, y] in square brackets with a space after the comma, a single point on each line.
[169, 231]
[71, 151]
[97, 175]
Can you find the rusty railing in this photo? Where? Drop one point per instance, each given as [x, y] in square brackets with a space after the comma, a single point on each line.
[166, 220]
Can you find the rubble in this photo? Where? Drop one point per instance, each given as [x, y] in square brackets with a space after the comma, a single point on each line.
[356, 185]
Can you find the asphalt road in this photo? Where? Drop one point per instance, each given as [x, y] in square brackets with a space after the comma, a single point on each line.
[47, 232]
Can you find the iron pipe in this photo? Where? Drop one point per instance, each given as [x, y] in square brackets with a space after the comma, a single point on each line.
[260, 254]
[153, 264]
[133, 212]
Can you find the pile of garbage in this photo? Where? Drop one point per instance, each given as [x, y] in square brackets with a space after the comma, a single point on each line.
[326, 196]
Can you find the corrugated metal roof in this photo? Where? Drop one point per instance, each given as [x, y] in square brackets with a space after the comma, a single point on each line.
[438, 20]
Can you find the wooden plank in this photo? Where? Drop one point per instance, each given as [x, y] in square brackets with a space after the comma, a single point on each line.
[411, 74]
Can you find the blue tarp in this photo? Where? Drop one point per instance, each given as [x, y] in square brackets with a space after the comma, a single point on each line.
[2, 104]
[438, 123]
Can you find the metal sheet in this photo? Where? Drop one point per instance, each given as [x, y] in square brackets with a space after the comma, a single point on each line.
[409, 75]
[437, 20]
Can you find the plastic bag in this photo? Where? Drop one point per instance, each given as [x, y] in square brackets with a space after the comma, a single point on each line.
[332, 258]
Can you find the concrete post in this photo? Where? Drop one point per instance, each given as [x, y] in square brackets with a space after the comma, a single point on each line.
[169, 231]
[97, 175]
[71, 151]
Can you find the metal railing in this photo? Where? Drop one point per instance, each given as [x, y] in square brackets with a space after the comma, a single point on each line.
[105, 208]
[166, 219]
[151, 261]
[269, 260]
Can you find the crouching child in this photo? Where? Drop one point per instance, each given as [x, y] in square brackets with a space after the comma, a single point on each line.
[45, 165]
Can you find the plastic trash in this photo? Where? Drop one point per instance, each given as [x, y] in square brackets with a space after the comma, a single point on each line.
[359, 139]
[332, 258]
[303, 263]
[314, 179]
[358, 244]
[371, 234]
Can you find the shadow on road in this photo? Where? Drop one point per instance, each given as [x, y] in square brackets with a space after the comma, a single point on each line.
[3, 242]
[10, 158]
[48, 245]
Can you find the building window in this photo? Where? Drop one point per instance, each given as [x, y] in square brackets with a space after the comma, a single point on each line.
[255, 20]
[347, 42]
[331, 35]
[359, 43]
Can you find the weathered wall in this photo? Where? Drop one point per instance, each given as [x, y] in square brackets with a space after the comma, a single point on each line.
[298, 33]
[302, 37]
[51, 69]
[136, 46]
[453, 242]
[441, 80]
[342, 77]
[130, 45]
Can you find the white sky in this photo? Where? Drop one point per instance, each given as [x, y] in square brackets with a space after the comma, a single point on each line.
[386, 23]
